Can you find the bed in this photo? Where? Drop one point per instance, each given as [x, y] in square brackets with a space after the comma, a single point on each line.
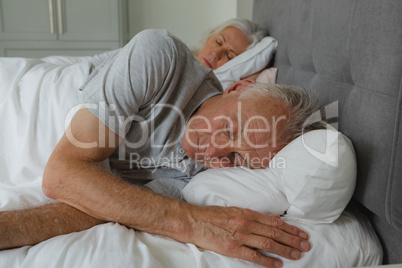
[315, 52]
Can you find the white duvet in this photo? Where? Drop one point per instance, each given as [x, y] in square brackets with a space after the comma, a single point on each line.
[38, 97]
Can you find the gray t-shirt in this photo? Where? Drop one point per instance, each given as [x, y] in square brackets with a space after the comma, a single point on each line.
[146, 93]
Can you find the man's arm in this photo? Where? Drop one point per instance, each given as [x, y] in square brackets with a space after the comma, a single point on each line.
[72, 176]
[31, 226]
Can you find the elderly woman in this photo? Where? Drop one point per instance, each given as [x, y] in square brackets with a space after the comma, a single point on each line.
[228, 40]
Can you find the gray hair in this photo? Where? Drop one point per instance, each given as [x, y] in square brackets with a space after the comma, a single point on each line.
[252, 30]
[304, 109]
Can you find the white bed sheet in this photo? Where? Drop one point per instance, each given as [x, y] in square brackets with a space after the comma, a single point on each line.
[37, 96]
[348, 242]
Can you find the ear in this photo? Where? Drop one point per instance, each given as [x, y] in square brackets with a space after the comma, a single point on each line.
[239, 86]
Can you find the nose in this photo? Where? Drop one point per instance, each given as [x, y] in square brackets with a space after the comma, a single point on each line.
[216, 53]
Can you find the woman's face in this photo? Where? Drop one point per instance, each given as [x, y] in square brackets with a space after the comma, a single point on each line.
[223, 47]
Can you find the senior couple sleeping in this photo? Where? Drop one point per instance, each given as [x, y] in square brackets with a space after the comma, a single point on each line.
[155, 111]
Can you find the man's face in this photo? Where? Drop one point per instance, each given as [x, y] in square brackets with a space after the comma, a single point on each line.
[227, 131]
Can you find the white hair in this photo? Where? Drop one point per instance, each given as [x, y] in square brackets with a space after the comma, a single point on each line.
[304, 109]
[252, 30]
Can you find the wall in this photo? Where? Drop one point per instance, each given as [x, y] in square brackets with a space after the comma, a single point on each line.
[244, 9]
[187, 19]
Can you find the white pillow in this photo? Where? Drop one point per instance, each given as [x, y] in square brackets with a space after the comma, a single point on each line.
[248, 62]
[312, 179]
[240, 187]
[320, 177]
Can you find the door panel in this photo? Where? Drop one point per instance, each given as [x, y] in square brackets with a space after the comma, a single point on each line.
[32, 22]
[89, 20]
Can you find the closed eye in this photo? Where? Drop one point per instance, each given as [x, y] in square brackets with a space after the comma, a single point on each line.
[237, 159]
[229, 131]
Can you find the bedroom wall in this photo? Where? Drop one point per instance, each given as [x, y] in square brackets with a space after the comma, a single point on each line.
[187, 19]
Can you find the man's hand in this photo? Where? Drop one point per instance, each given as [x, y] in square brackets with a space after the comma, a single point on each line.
[239, 233]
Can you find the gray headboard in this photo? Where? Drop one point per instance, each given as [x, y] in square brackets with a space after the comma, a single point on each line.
[350, 51]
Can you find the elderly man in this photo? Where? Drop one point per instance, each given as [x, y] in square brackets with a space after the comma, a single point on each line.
[155, 112]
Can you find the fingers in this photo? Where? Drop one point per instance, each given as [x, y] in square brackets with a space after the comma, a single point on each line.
[269, 245]
[288, 240]
[293, 230]
[251, 255]
[271, 234]
[272, 226]
[277, 222]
